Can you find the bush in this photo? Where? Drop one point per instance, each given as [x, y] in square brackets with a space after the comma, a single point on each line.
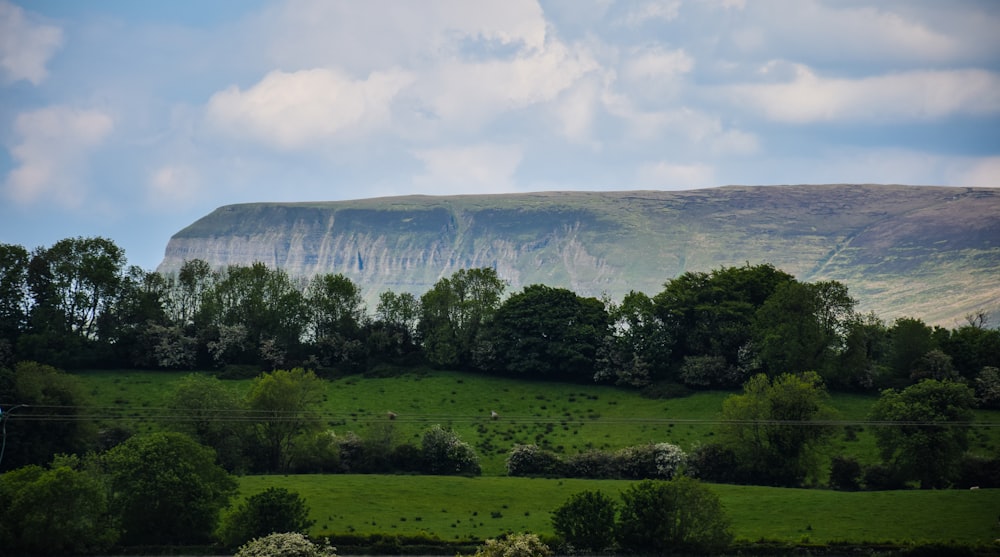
[978, 471]
[845, 473]
[444, 453]
[530, 460]
[274, 510]
[678, 516]
[714, 462]
[591, 464]
[514, 545]
[586, 521]
[285, 545]
[881, 477]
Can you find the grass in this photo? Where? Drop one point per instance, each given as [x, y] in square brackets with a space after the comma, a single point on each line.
[455, 508]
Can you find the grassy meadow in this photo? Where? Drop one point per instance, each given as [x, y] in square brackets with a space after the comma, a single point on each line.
[568, 419]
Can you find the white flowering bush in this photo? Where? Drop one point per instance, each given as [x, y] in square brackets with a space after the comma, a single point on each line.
[669, 460]
[291, 544]
[514, 545]
[444, 453]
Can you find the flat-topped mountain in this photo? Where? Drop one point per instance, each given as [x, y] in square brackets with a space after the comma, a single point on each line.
[926, 252]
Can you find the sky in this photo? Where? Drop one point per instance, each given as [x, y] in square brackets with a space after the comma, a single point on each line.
[130, 120]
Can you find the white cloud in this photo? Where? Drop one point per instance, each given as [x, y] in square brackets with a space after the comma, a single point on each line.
[906, 96]
[172, 185]
[25, 46]
[294, 110]
[472, 169]
[663, 10]
[669, 176]
[656, 62]
[51, 154]
[982, 172]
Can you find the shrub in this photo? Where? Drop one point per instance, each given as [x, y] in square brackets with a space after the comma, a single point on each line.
[678, 516]
[274, 510]
[586, 521]
[652, 461]
[708, 371]
[530, 460]
[845, 473]
[285, 545]
[591, 464]
[514, 545]
[443, 452]
[988, 387]
[881, 477]
[978, 471]
[714, 462]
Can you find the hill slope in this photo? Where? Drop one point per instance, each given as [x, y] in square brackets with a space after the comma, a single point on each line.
[927, 252]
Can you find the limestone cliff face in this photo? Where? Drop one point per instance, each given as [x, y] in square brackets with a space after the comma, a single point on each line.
[898, 248]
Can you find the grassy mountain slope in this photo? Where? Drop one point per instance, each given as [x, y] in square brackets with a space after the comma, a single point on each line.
[927, 252]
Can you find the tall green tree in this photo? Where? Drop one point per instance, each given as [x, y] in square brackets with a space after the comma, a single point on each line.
[214, 415]
[336, 316]
[57, 511]
[637, 349]
[284, 405]
[166, 489]
[48, 415]
[14, 298]
[922, 430]
[776, 427]
[454, 311]
[547, 333]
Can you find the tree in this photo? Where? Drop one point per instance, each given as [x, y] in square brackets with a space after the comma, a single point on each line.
[921, 431]
[51, 417]
[203, 407]
[679, 516]
[394, 331]
[710, 314]
[637, 350]
[166, 489]
[273, 510]
[58, 511]
[586, 521]
[909, 339]
[283, 404]
[288, 544]
[14, 299]
[454, 311]
[547, 333]
[776, 428]
[801, 326]
[336, 315]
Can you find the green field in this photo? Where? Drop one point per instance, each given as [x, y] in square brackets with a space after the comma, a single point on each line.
[566, 418]
[455, 508]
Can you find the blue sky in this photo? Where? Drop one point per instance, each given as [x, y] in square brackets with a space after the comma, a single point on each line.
[130, 120]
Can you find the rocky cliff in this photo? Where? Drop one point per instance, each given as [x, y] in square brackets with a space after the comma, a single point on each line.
[928, 252]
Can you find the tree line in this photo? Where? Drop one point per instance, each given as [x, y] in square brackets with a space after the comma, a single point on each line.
[78, 304]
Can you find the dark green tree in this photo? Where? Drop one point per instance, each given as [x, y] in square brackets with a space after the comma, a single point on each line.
[275, 509]
[336, 316]
[547, 333]
[166, 489]
[14, 298]
[586, 521]
[214, 415]
[58, 511]
[909, 339]
[454, 312]
[922, 430]
[680, 516]
[47, 416]
[284, 405]
[710, 314]
[637, 350]
[776, 427]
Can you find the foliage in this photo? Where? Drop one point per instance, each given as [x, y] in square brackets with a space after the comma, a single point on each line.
[442, 452]
[678, 516]
[775, 428]
[274, 510]
[514, 545]
[637, 350]
[290, 544]
[987, 386]
[454, 311]
[547, 333]
[208, 410]
[715, 462]
[845, 473]
[283, 403]
[49, 417]
[56, 511]
[586, 521]
[530, 460]
[922, 433]
[651, 461]
[166, 489]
